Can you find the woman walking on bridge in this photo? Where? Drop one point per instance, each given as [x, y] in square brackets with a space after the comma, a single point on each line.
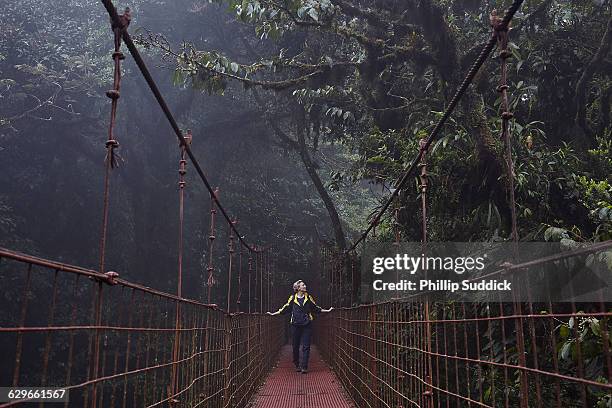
[302, 306]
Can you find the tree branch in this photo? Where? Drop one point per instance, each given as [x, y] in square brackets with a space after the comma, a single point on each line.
[590, 69]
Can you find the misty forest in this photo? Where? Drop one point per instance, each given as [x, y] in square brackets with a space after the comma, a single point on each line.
[320, 124]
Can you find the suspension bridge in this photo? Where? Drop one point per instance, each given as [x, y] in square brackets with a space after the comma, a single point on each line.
[111, 342]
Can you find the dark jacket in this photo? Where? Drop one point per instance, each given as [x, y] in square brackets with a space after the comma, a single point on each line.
[300, 314]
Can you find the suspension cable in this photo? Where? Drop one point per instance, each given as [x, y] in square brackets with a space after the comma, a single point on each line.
[229, 270]
[501, 32]
[239, 295]
[179, 291]
[486, 50]
[211, 239]
[110, 161]
[423, 187]
[127, 39]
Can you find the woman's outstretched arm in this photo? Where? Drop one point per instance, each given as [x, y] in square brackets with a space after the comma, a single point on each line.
[317, 308]
[284, 309]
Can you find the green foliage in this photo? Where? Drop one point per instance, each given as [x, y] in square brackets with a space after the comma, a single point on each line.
[273, 21]
[378, 84]
[596, 196]
[364, 85]
[601, 157]
[585, 337]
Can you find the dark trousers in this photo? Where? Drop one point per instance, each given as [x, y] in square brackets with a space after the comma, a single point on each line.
[301, 334]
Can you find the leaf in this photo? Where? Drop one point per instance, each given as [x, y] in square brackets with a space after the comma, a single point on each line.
[555, 234]
[569, 243]
[376, 160]
[595, 327]
[487, 394]
[313, 14]
[519, 128]
[565, 351]
[564, 332]
[178, 78]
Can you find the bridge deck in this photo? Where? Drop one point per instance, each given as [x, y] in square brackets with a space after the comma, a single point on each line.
[286, 388]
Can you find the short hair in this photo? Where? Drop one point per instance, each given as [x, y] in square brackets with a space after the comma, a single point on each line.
[296, 285]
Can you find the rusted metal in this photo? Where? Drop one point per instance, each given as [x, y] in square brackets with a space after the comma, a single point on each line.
[268, 281]
[469, 77]
[285, 388]
[146, 352]
[383, 353]
[259, 264]
[118, 26]
[80, 271]
[179, 291]
[423, 185]
[25, 298]
[380, 354]
[262, 271]
[96, 338]
[211, 239]
[131, 328]
[250, 279]
[423, 182]
[239, 291]
[501, 34]
[231, 251]
[120, 21]
[352, 278]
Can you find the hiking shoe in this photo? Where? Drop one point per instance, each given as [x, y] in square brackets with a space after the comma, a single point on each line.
[304, 370]
[298, 369]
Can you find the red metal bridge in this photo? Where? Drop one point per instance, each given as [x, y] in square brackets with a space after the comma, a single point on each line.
[115, 343]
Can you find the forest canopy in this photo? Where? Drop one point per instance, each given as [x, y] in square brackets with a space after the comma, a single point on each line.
[333, 96]
[375, 76]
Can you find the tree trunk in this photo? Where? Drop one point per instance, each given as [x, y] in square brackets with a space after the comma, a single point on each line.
[582, 86]
[301, 148]
[327, 200]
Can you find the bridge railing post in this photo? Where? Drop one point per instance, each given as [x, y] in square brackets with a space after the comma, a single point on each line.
[226, 360]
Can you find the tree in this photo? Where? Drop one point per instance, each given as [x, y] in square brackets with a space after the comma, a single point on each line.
[373, 75]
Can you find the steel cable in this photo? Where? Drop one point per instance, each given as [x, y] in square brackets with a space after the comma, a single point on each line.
[127, 39]
[486, 50]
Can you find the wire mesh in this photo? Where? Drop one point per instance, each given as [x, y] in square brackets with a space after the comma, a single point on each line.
[111, 342]
[381, 355]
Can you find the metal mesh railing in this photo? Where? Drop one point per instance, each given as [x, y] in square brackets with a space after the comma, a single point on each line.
[419, 352]
[468, 354]
[113, 343]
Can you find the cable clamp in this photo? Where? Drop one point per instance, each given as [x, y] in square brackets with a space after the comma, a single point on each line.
[113, 94]
[112, 143]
